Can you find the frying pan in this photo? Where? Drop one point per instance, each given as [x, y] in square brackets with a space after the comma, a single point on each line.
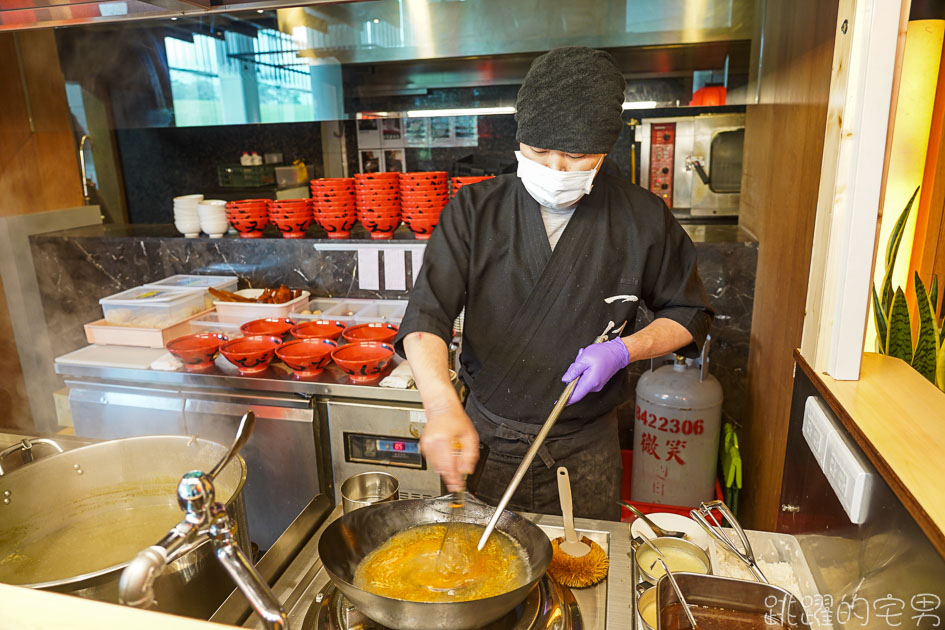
[349, 539]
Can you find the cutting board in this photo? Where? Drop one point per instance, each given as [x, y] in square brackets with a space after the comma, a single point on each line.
[135, 357]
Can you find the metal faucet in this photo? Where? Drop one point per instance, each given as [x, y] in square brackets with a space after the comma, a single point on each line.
[204, 519]
[85, 180]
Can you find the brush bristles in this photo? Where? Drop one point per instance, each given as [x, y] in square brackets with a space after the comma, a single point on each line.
[581, 572]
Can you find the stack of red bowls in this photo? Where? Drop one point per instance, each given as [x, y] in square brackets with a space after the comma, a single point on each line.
[459, 182]
[335, 205]
[248, 216]
[378, 199]
[424, 195]
[291, 216]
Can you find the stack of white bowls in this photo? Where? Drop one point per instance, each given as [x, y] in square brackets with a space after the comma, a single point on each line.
[186, 218]
[212, 214]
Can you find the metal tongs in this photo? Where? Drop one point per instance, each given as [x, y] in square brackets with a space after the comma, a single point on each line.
[536, 444]
[703, 514]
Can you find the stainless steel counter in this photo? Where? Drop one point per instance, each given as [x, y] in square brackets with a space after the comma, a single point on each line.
[606, 605]
[224, 376]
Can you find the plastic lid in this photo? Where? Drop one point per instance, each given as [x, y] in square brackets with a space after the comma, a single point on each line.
[192, 281]
[148, 296]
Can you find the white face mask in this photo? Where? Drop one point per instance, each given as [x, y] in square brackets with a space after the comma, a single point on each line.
[554, 189]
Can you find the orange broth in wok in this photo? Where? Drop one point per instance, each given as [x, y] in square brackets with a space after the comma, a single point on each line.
[405, 566]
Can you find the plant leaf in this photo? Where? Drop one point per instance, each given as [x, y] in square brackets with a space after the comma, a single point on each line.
[879, 320]
[940, 368]
[933, 297]
[892, 250]
[926, 345]
[899, 338]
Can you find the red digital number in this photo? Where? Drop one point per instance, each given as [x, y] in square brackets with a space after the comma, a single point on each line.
[399, 446]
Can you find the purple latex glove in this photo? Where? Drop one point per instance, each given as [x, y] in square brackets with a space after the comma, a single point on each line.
[596, 364]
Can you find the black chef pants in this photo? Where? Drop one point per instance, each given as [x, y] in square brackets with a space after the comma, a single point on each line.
[589, 450]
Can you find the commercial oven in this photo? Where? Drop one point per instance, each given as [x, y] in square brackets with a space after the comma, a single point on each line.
[694, 163]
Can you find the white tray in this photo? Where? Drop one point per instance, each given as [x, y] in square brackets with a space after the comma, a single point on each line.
[250, 311]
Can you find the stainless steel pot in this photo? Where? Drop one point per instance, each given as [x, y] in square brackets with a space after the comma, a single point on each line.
[71, 522]
[347, 540]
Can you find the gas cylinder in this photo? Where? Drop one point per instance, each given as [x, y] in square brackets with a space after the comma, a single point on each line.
[676, 434]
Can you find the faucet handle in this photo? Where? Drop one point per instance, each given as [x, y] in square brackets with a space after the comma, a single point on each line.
[242, 436]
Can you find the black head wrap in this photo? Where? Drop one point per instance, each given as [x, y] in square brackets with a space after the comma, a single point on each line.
[571, 100]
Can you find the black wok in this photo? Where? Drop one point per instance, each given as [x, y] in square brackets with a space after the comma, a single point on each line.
[350, 538]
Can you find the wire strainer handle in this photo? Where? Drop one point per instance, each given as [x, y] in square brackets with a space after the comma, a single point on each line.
[703, 513]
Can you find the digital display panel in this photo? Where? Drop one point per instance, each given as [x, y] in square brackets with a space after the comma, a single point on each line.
[391, 451]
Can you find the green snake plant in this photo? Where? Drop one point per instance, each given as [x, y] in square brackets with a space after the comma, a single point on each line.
[925, 353]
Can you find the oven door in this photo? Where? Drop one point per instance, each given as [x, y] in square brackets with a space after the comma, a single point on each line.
[716, 164]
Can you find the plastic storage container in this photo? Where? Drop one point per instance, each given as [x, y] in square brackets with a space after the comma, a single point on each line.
[243, 312]
[211, 322]
[316, 308]
[347, 310]
[146, 307]
[376, 312]
[197, 283]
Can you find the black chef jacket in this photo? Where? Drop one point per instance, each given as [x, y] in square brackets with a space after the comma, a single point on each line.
[530, 309]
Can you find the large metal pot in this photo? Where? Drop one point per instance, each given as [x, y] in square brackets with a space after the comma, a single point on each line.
[71, 522]
[349, 539]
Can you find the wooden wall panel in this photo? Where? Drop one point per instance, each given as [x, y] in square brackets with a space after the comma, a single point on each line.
[38, 171]
[784, 136]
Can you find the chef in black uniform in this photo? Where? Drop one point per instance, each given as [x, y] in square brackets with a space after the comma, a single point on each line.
[533, 258]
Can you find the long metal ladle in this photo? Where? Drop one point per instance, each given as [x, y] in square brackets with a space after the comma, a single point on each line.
[536, 444]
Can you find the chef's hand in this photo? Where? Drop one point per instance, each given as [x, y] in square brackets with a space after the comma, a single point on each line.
[451, 445]
[596, 365]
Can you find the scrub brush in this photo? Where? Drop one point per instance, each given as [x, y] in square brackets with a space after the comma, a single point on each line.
[575, 563]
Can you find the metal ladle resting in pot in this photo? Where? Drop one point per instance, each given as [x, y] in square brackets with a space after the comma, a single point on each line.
[204, 519]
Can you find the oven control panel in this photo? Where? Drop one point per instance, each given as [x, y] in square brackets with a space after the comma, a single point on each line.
[662, 156]
[363, 448]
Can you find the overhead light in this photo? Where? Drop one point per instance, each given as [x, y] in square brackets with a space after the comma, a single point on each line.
[259, 10]
[173, 19]
[376, 21]
[463, 111]
[639, 104]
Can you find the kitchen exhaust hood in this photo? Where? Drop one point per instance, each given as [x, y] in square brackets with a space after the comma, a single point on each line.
[384, 31]
[30, 14]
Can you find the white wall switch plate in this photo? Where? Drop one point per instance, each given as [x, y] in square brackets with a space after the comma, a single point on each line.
[817, 426]
[850, 475]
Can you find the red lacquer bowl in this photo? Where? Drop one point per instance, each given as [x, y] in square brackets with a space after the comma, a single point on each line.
[249, 228]
[307, 357]
[269, 326]
[368, 176]
[251, 355]
[424, 175]
[198, 351]
[363, 361]
[293, 228]
[370, 332]
[337, 227]
[380, 228]
[319, 328]
[421, 228]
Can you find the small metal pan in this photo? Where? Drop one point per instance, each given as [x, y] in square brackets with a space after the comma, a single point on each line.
[771, 603]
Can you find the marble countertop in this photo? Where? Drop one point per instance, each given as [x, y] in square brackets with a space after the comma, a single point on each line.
[698, 233]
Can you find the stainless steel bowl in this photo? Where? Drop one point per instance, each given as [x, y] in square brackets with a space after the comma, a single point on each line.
[666, 543]
[367, 488]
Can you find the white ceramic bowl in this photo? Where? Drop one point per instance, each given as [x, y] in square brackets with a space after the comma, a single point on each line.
[211, 212]
[214, 228]
[667, 520]
[188, 198]
[186, 214]
[187, 226]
